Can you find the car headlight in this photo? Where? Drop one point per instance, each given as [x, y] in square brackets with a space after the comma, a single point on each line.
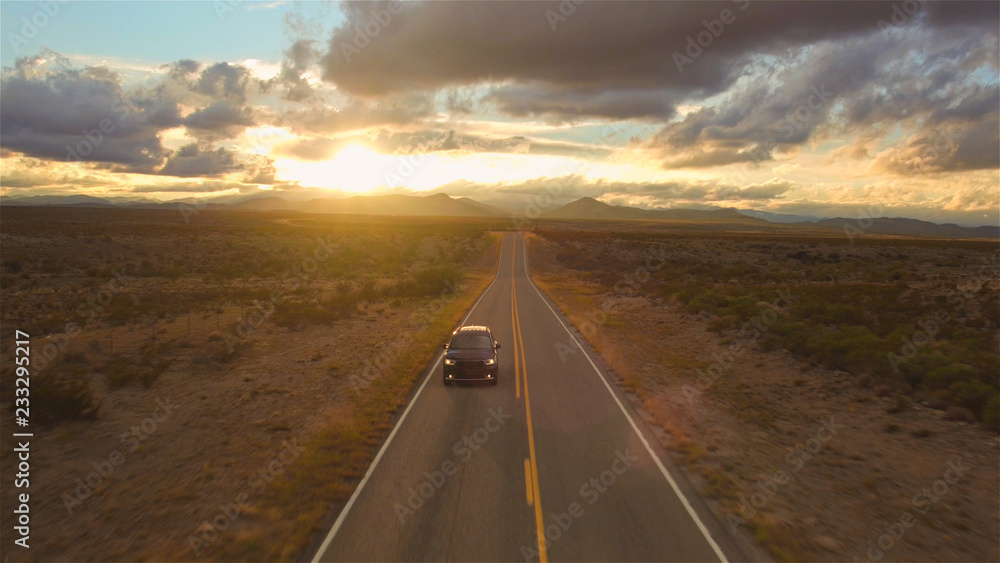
[448, 362]
[491, 361]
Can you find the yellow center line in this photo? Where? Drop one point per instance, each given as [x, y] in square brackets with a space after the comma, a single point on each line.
[513, 324]
[528, 482]
[535, 492]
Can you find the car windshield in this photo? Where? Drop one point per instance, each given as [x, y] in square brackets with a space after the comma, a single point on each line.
[471, 341]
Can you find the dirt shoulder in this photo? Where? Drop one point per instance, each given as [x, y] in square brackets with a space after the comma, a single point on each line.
[802, 458]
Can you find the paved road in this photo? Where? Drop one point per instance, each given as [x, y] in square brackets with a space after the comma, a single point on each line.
[479, 473]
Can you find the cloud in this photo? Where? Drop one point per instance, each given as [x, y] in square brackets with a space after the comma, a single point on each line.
[972, 146]
[206, 187]
[779, 75]
[358, 113]
[604, 59]
[53, 111]
[221, 119]
[863, 87]
[555, 191]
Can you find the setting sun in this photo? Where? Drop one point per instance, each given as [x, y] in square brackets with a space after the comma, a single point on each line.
[355, 168]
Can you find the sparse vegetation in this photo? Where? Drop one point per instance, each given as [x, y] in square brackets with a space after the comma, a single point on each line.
[665, 307]
[138, 309]
[912, 314]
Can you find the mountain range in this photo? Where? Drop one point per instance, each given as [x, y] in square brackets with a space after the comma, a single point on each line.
[583, 209]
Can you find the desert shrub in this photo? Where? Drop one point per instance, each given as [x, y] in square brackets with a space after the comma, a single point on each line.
[991, 412]
[960, 414]
[58, 399]
[298, 313]
[971, 394]
[944, 376]
[435, 279]
[120, 371]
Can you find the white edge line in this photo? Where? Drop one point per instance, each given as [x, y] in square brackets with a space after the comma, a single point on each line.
[371, 468]
[663, 470]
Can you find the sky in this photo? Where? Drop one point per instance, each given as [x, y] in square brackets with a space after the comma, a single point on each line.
[809, 108]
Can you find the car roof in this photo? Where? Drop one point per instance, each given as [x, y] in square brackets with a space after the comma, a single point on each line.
[472, 328]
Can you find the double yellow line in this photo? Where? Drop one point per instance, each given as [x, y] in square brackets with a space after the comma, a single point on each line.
[533, 495]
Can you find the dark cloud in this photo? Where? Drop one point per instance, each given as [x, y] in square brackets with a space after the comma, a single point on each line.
[756, 77]
[291, 80]
[973, 146]
[860, 87]
[358, 113]
[194, 161]
[61, 113]
[226, 81]
[53, 111]
[221, 119]
[605, 59]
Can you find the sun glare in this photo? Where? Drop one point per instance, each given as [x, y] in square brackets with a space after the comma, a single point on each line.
[356, 168]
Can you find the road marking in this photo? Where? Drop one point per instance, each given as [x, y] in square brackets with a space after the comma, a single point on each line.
[635, 428]
[513, 324]
[528, 482]
[535, 492]
[378, 457]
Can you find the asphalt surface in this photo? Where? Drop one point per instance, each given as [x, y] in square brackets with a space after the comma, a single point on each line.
[479, 473]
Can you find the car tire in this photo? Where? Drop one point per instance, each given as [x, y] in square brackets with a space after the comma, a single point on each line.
[494, 382]
[446, 382]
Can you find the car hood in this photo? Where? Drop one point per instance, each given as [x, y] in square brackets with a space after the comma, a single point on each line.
[469, 354]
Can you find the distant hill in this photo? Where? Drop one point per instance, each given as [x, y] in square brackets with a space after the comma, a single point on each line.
[588, 208]
[779, 217]
[394, 204]
[36, 200]
[911, 227]
[583, 209]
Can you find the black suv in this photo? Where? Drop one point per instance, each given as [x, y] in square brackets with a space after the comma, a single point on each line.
[471, 355]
